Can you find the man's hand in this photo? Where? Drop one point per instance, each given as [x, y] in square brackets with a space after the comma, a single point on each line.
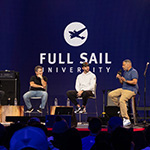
[79, 93]
[32, 84]
[123, 79]
[40, 76]
[118, 76]
[43, 87]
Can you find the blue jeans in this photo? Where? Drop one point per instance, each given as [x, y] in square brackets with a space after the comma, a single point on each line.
[27, 96]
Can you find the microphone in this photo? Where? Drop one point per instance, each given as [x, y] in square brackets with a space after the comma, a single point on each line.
[146, 68]
[120, 72]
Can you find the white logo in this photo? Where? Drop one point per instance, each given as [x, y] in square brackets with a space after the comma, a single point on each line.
[75, 34]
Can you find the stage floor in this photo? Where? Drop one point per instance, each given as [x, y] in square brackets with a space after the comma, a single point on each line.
[81, 126]
[84, 127]
[138, 127]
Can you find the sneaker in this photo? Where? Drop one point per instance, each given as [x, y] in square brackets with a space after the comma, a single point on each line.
[83, 110]
[29, 110]
[77, 110]
[126, 122]
[39, 110]
[119, 113]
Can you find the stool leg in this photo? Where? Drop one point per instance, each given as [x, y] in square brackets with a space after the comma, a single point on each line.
[96, 108]
[79, 117]
[47, 111]
[134, 110]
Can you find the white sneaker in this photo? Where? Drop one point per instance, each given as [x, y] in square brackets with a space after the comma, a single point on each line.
[83, 110]
[77, 110]
[119, 114]
[126, 122]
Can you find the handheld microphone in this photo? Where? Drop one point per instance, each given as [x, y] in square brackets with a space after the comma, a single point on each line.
[120, 72]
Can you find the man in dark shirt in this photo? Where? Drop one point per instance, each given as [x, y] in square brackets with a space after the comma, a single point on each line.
[129, 89]
[38, 84]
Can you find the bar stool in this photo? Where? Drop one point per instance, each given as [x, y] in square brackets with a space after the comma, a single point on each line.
[133, 113]
[90, 98]
[38, 98]
[35, 112]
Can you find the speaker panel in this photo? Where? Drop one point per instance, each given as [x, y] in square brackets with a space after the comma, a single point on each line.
[112, 111]
[12, 90]
[65, 110]
[109, 101]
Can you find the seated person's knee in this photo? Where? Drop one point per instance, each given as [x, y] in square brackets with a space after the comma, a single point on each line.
[110, 94]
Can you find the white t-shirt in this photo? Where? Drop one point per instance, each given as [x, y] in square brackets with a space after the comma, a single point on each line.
[85, 81]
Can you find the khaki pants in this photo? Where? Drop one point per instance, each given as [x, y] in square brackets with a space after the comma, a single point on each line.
[124, 95]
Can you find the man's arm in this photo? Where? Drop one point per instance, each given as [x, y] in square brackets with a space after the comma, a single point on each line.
[133, 81]
[120, 78]
[77, 87]
[43, 82]
[32, 84]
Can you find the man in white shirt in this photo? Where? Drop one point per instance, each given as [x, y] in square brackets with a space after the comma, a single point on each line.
[85, 84]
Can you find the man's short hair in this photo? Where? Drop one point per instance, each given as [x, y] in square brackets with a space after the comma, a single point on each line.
[127, 61]
[95, 125]
[121, 139]
[114, 122]
[37, 67]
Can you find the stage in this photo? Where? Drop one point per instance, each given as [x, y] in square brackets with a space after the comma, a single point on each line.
[81, 126]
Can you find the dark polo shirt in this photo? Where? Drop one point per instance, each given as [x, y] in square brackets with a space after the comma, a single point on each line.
[37, 81]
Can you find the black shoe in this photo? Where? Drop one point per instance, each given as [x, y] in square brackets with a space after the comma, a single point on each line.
[39, 110]
[77, 110]
[83, 110]
[29, 110]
